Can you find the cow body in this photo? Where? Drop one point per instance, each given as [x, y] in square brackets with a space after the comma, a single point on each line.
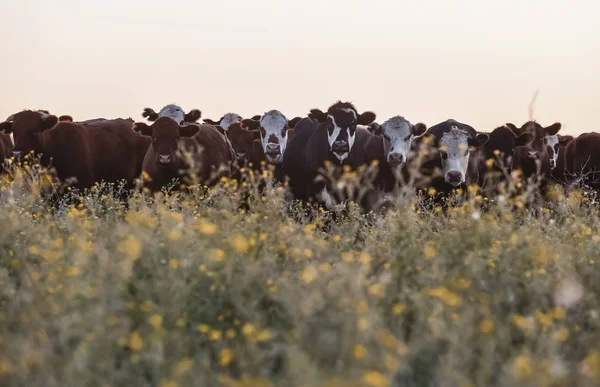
[6, 147]
[582, 160]
[210, 150]
[106, 151]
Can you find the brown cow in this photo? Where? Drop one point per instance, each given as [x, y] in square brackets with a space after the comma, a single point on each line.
[108, 152]
[582, 160]
[211, 151]
[533, 160]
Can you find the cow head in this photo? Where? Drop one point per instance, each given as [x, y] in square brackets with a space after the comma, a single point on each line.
[341, 119]
[273, 127]
[455, 150]
[226, 121]
[165, 134]
[537, 149]
[174, 112]
[25, 128]
[398, 134]
[241, 140]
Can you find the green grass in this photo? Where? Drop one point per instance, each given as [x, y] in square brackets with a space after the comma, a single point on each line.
[187, 289]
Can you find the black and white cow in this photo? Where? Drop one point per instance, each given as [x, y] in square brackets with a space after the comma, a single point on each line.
[324, 137]
[453, 143]
[273, 127]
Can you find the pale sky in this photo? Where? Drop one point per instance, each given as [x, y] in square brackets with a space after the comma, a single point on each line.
[477, 61]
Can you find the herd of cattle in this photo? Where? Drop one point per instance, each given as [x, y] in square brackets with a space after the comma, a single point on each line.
[113, 150]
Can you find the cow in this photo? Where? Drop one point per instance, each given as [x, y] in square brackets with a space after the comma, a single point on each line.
[533, 160]
[582, 160]
[322, 137]
[556, 146]
[452, 144]
[109, 151]
[391, 146]
[227, 120]
[211, 152]
[174, 112]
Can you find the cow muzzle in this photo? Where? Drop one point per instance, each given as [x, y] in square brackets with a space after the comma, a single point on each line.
[165, 159]
[17, 154]
[340, 147]
[395, 158]
[454, 178]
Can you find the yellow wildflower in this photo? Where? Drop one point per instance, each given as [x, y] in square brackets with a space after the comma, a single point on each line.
[562, 334]
[359, 351]
[446, 296]
[308, 275]
[239, 244]
[398, 308]
[225, 357]
[523, 368]
[207, 228]
[216, 255]
[131, 246]
[173, 264]
[429, 250]
[135, 341]
[203, 328]
[183, 366]
[156, 321]
[486, 326]
[375, 379]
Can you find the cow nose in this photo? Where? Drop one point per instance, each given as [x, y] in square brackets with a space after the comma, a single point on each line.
[453, 177]
[532, 155]
[241, 155]
[340, 147]
[396, 158]
[552, 164]
[273, 149]
[165, 159]
[17, 153]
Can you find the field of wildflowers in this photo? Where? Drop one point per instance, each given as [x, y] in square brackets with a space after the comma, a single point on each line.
[219, 288]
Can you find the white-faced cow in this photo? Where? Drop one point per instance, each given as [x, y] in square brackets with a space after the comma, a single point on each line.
[391, 146]
[174, 112]
[273, 127]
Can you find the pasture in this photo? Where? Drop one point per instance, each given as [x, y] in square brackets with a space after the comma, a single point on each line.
[235, 285]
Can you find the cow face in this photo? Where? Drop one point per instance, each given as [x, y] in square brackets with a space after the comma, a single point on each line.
[455, 153]
[273, 127]
[241, 140]
[398, 134]
[174, 112]
[25, 128]
[226, 121]
[341, 121]
[165, 134]
[552, 149]
[503, 141]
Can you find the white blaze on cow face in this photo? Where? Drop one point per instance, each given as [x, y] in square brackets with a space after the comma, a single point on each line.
[174, 112]
[229, 119]
[455, 156]
[273, 134]
[552, 143]
[341, 137]
[397, 135]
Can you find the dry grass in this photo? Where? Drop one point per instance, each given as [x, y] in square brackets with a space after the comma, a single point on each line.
[187, 289]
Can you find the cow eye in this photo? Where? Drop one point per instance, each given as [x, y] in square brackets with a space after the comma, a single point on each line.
[444, 156]
[545, 140]
[467, 153]
[283, 131]
[386, 137]
[407, 138]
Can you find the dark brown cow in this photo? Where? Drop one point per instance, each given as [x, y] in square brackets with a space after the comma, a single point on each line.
[582, 160]
[109, 151]
[533, 160]
[211, 151]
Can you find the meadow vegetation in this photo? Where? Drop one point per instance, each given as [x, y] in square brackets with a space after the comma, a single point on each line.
[237, 286]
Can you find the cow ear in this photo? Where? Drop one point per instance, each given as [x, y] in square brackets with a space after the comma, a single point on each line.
[188, 130]
[256, 117]
[552, 129]
[366, 118]
[6, 127]
[419, 129]
[251, 124]
[524, 139]
[210, 122]
[293, 122]
[142, 129]
[318, 115]
[479, 140]
[193, 116]
[150, 114]
[65, 118]
[48, 122]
